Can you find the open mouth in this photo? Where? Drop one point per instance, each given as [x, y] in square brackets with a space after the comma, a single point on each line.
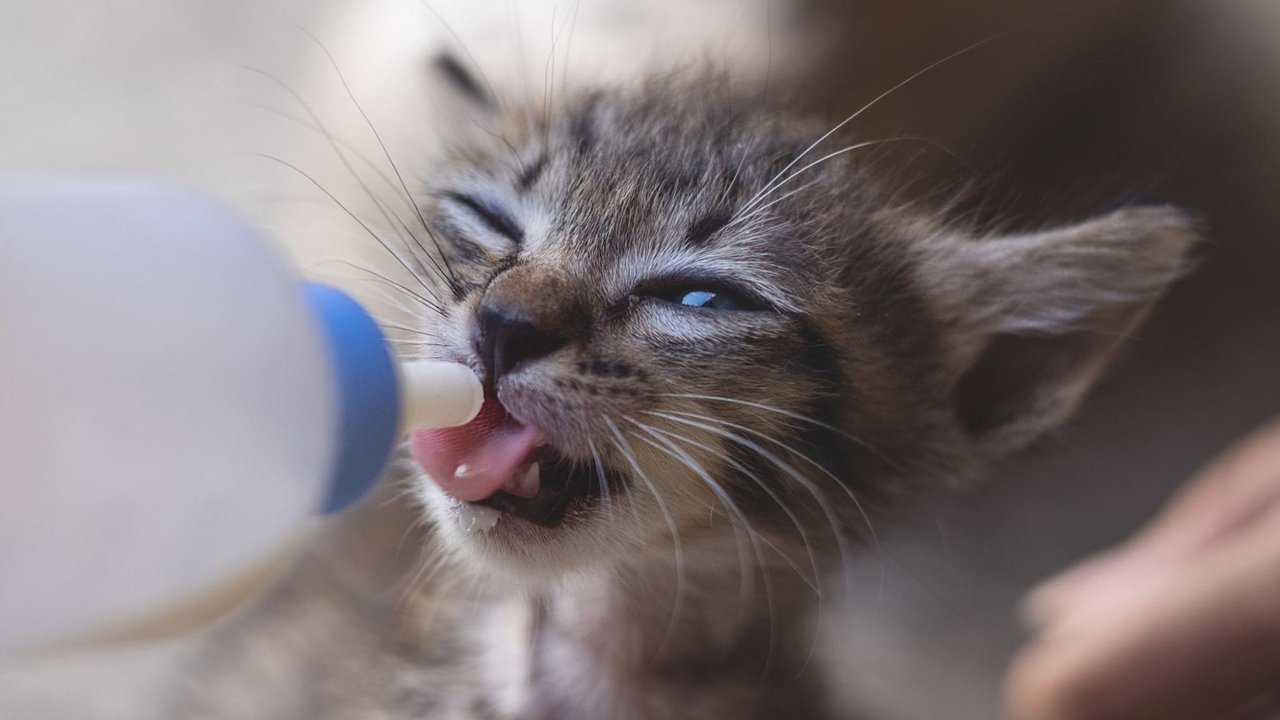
[498, 462]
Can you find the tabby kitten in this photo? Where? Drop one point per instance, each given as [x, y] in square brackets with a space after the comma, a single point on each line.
[714, 353]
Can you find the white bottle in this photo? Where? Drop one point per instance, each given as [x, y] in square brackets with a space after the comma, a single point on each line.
[174, 403]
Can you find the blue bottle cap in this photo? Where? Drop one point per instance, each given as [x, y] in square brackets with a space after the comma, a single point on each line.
[368, 396]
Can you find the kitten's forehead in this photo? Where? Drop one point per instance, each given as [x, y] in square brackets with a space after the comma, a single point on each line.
[633, 189]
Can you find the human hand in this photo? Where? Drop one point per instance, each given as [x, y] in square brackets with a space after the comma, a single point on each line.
[1180, 623]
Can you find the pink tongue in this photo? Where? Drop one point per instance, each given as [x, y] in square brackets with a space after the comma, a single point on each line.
[488, 450]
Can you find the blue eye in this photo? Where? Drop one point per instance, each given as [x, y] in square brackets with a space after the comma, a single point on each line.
[710, 299]
[705, 294]
[699, 298]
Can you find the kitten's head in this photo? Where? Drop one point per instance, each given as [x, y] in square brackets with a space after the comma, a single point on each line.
[696, 321]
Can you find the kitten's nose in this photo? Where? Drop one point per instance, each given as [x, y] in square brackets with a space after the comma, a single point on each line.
[526, 313]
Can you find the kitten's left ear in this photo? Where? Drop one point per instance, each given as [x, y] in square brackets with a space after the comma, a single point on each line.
[1033, 319]
[462, 80]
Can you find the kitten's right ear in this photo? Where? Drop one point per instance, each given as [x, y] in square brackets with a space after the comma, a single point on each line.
[1031, 320]
[459, 78]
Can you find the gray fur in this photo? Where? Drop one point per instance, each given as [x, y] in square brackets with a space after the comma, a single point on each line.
[749, 449]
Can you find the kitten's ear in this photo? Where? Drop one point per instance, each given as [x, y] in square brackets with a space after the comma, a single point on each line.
[462, 81]
[1034, 318]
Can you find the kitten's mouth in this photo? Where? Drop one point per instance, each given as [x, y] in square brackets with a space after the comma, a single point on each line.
[498, 462]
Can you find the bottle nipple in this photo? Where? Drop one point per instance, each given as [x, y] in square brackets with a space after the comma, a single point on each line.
[438, 394]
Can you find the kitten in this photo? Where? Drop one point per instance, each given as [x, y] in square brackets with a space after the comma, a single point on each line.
[715, 353]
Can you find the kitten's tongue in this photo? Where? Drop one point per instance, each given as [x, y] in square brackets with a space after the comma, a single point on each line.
[473, 461]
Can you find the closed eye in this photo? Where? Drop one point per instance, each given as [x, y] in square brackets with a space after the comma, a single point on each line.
[490, 214]
[705, 294]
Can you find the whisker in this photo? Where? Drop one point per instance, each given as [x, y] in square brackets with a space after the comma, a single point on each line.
[353, 216]
[750, 213]
[818, 496]
[600, 474]
[841, 543]
[797, 453]
[773, 186]
[343, 159]
[452, 277]
[350, 148]
[402, 328]
[383, 294]
[773, 495]
[875, 540]
[568, 46]
[795, 416]
[737, 519]
[677, 607]
[408, 232]
[379, 277]
[876, 100]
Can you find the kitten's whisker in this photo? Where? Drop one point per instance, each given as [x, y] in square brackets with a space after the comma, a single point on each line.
[437, 552]
[816, 583]
[813, 583]
[453, 287]
[478, 584]
[421, 578]
[394, 301]
[837, 527]
[841, 545]
[819, 497]
[600, 474]
[735, 514]
[452, 277]
[515, 153]
[677, 606]
[746, 569]
[376, 286]
[426, 572]
[354, 217]
[724, 194]
[795, 416]
[753, 537]
[414, 331]
[380, 278]
[363, 158]
[568, 46]
[548, 74]
[418, 343]
[774, 186]
[743, 219]
[337, 150]
[817, 465]
[874, 101]
[517, 32]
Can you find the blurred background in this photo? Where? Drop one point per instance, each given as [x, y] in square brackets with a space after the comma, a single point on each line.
[1063, 111]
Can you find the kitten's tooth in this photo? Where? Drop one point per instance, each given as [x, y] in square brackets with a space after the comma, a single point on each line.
[463, 471]
[525, 483]
[477, 518]
[533, 479]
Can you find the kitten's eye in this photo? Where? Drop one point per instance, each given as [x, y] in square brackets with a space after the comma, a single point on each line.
[710, 297]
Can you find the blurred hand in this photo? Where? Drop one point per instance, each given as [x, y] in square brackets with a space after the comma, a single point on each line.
[1182, 622]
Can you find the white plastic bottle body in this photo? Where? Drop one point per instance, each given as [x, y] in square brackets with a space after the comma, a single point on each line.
[163, 380]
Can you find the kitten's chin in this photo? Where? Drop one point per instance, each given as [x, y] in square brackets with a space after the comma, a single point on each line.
[491, 539]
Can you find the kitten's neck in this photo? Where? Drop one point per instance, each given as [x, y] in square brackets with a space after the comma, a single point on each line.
[644, 641]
